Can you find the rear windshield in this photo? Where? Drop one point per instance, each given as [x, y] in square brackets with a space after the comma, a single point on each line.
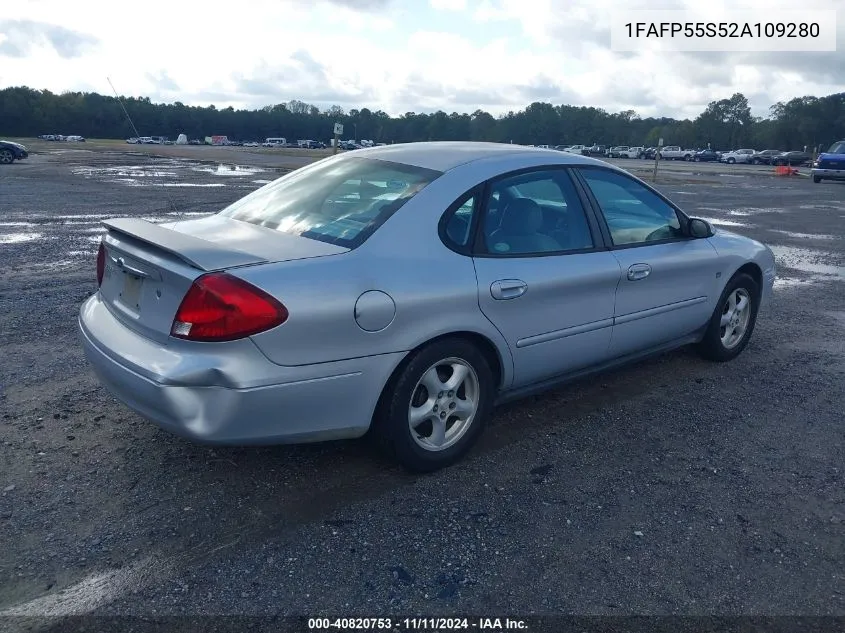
[837, 148]
[340, 201]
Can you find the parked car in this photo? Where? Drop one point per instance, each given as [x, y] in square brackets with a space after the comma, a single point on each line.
[738, 156]
[633, 152]
[11, 151]
[675, 152]
[764, 157]
[830, 165]
[706, 155]
[576, 149]
[649, 153]
[616, 151]
[796, 158]
[595, 150]
[292, 316]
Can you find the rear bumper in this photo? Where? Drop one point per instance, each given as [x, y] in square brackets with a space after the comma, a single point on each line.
[231, 393]
[832, 174]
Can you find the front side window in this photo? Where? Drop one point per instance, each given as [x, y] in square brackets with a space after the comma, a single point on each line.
[837, 148]
[340, 201]
[633, 213]
[535, 213]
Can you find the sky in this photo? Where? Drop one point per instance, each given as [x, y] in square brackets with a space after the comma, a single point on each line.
[394, 55]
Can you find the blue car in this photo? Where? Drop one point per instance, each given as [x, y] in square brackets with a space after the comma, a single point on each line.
[10, 152]
[831, 164]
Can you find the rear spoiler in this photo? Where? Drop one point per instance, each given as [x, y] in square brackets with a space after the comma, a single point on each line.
[194, 251]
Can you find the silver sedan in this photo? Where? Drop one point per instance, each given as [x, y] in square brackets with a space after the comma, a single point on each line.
[402, 291]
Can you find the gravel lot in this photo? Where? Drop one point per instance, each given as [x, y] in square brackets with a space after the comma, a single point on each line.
[672, 487]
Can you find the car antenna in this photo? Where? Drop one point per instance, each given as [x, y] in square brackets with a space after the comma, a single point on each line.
[138, 136]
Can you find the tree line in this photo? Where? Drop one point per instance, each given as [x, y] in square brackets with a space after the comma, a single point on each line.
[724, 124]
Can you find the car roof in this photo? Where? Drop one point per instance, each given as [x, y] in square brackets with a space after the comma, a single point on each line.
[446, 155]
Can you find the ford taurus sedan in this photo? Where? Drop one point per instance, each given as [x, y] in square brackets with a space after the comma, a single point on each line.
[402, 291]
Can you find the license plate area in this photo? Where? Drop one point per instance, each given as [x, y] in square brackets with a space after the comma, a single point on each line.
[130, 294]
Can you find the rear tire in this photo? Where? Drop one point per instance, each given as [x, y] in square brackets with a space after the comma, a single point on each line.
[6, 157]
[731, 324]
[428, 428]
[817, 179]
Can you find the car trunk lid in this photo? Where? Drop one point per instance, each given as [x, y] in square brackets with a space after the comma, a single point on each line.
[150, 267]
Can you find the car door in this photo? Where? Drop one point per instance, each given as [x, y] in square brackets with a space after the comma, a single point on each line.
[544, 279]
[668, 284]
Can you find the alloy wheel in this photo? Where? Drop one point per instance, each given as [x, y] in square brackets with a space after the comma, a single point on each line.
[736, 315]
[443, 404]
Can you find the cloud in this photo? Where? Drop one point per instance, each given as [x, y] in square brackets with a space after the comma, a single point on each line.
[23, 36]
[301, 77]
[450, 55]
[163, 82]
[361, 5]
[448, 5]
[543, 88]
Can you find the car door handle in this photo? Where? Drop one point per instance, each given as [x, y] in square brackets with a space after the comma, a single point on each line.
[638, 271]
[508, 289]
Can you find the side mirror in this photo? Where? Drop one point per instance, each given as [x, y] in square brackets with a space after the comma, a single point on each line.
[700, 228]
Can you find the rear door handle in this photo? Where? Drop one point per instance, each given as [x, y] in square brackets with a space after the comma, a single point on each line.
[508, 289]
[638, 271]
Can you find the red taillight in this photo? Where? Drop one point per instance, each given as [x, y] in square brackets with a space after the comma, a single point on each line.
[220, 307]
[101, 264]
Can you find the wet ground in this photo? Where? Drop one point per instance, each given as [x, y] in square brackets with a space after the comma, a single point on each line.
[673, 487]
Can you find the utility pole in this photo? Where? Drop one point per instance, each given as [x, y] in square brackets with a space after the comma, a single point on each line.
[657, 159]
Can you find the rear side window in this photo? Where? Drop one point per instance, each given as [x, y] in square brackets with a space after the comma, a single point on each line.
[837, 148]
[458, 223]
[534, 213]
[340, 201]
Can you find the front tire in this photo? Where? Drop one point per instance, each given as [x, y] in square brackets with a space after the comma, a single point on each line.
[436, 406]
[731, 161]
[817, 179]
[733, 320]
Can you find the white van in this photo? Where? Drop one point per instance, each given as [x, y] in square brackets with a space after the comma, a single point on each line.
[274, 142]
